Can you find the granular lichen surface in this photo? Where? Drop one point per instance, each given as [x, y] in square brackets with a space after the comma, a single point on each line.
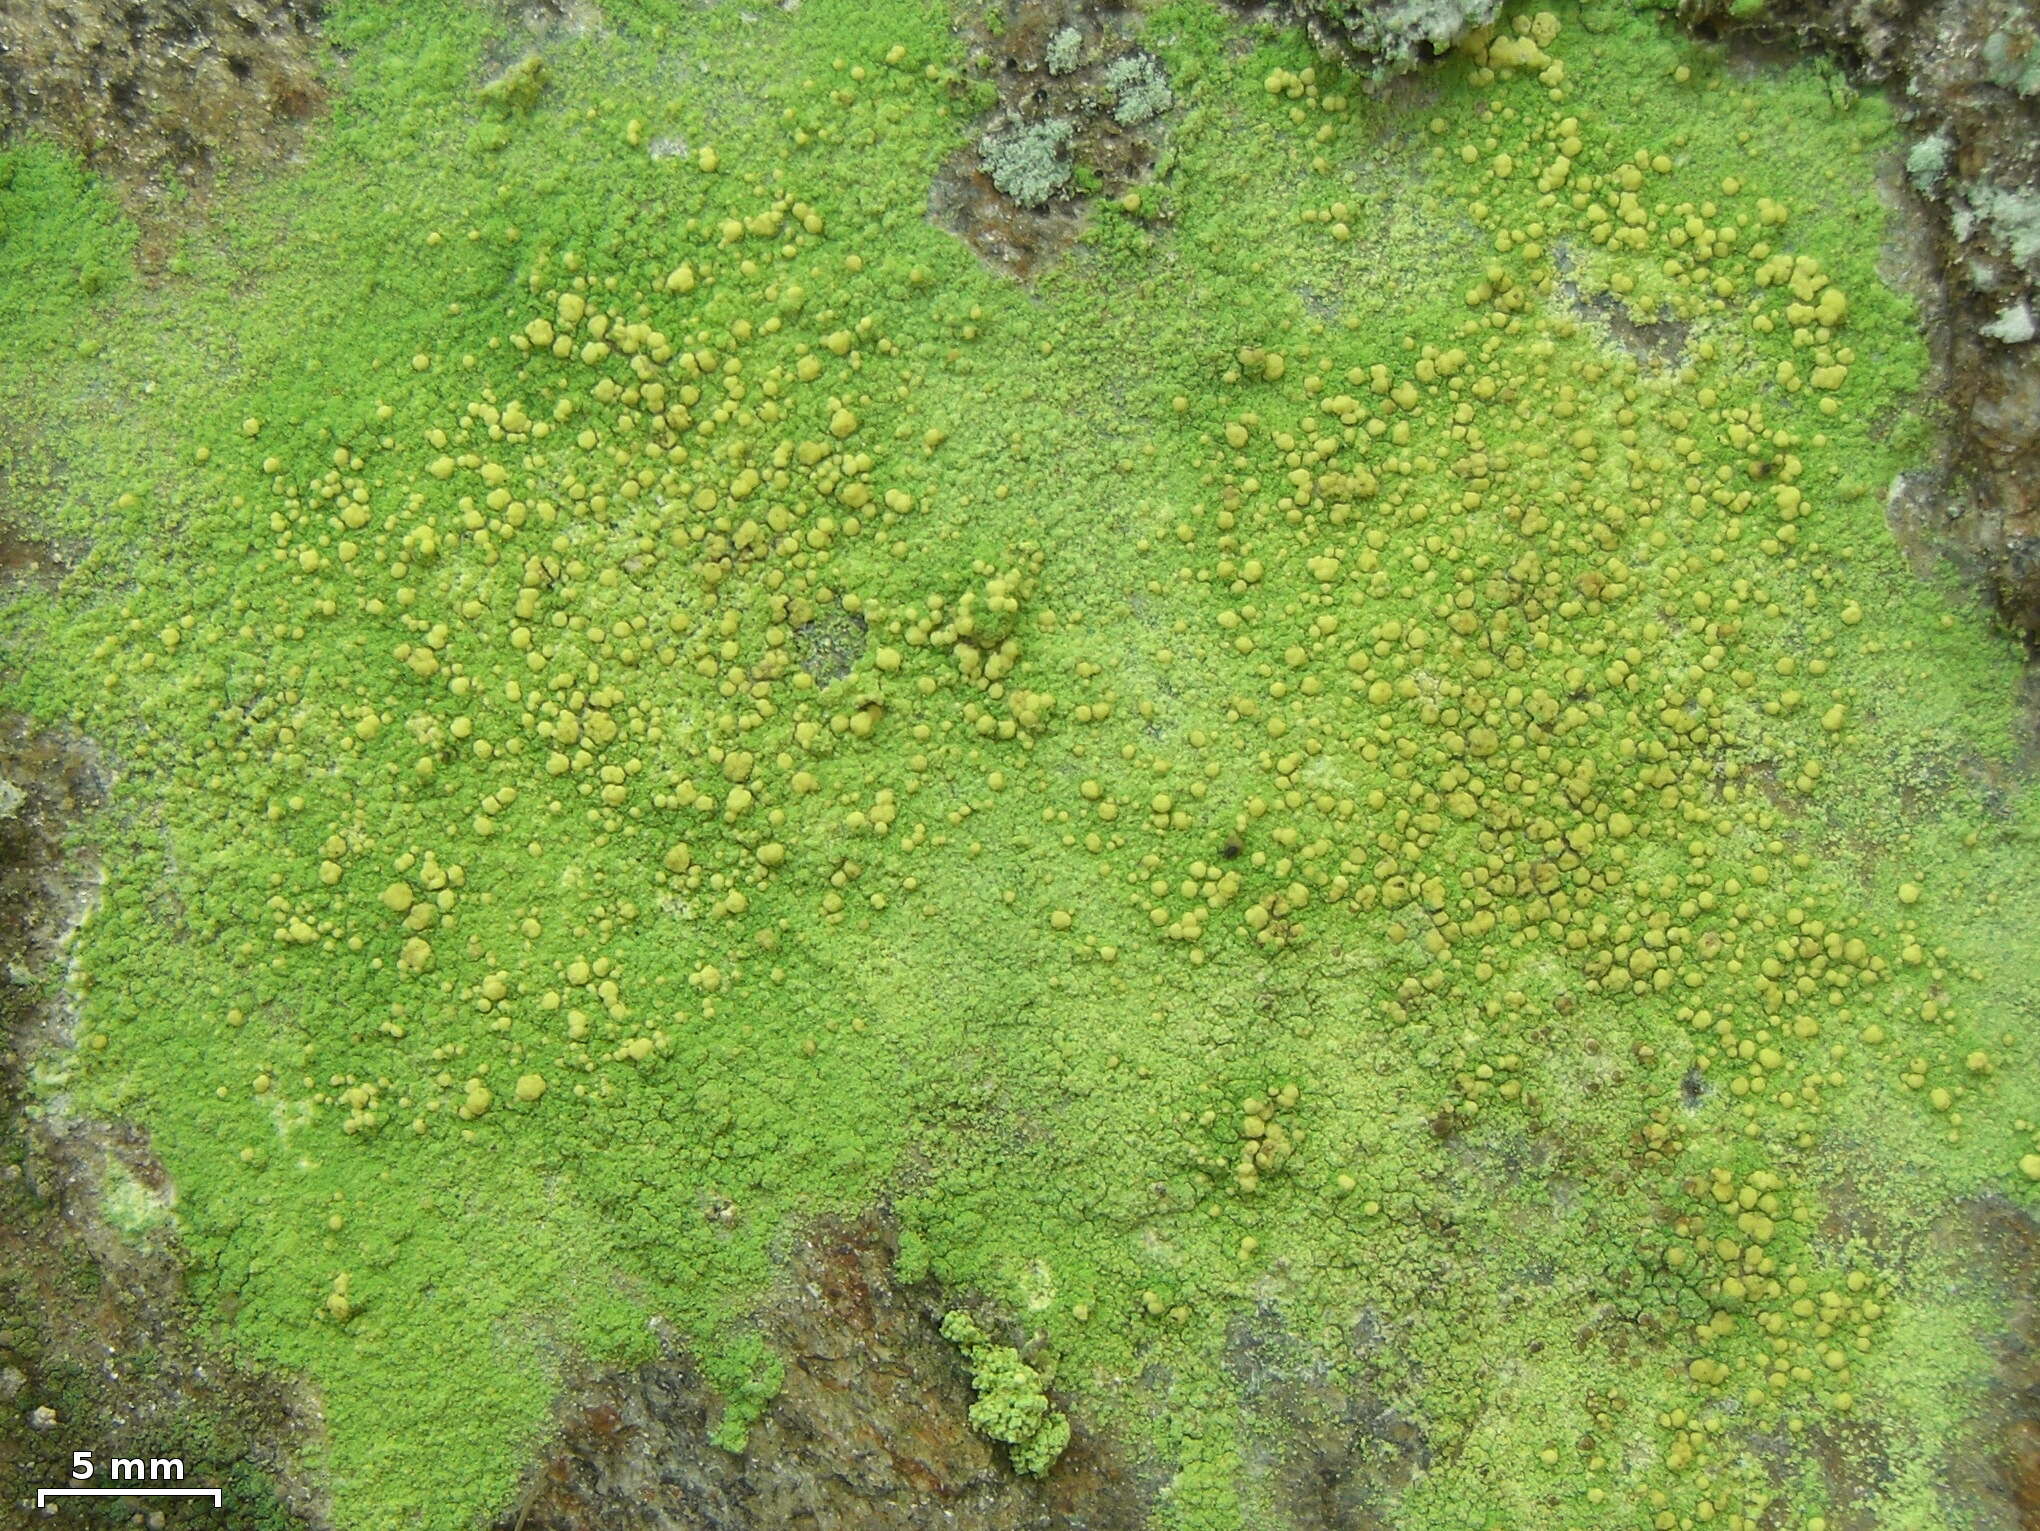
[1358, 756]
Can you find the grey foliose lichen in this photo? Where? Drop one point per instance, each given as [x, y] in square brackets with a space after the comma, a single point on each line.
[1139, 90]
[1065, 51]
[1926, 163]
[1028, 161]
[1388, 37]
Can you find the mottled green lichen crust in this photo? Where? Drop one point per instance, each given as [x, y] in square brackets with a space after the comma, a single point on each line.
[1357, 763]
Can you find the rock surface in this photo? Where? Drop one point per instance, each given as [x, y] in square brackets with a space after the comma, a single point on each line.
[160, 95]
[1994, 1463]
[99, 1342]
[869, 1430]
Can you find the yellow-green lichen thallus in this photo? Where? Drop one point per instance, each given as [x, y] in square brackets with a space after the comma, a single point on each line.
[1351, 785]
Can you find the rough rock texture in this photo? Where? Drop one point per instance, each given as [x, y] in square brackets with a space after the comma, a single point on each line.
[158, 94]
[1384, 37]
[869, 1431]
[1966, 75]
[1324, 1455]
[1009, 45]
[95, 1325]
[1992, 1468]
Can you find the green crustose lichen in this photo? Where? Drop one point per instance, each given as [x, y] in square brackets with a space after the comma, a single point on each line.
[1011, 1406]
[1353, 774]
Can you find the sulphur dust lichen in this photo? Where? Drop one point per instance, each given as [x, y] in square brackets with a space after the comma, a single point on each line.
[517, 89]
[1349, 785]
[1011, 1405]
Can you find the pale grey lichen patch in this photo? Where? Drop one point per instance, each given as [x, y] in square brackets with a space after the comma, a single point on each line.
[129, 1205]
[1926, 164]
[2011, 214]
[1139, 90]
[1029, 162]
[1391, 38]
[2013, 62]
[2014, 326]
[1065, 51]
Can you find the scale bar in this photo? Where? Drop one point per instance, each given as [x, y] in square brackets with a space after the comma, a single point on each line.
[44, 1495]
